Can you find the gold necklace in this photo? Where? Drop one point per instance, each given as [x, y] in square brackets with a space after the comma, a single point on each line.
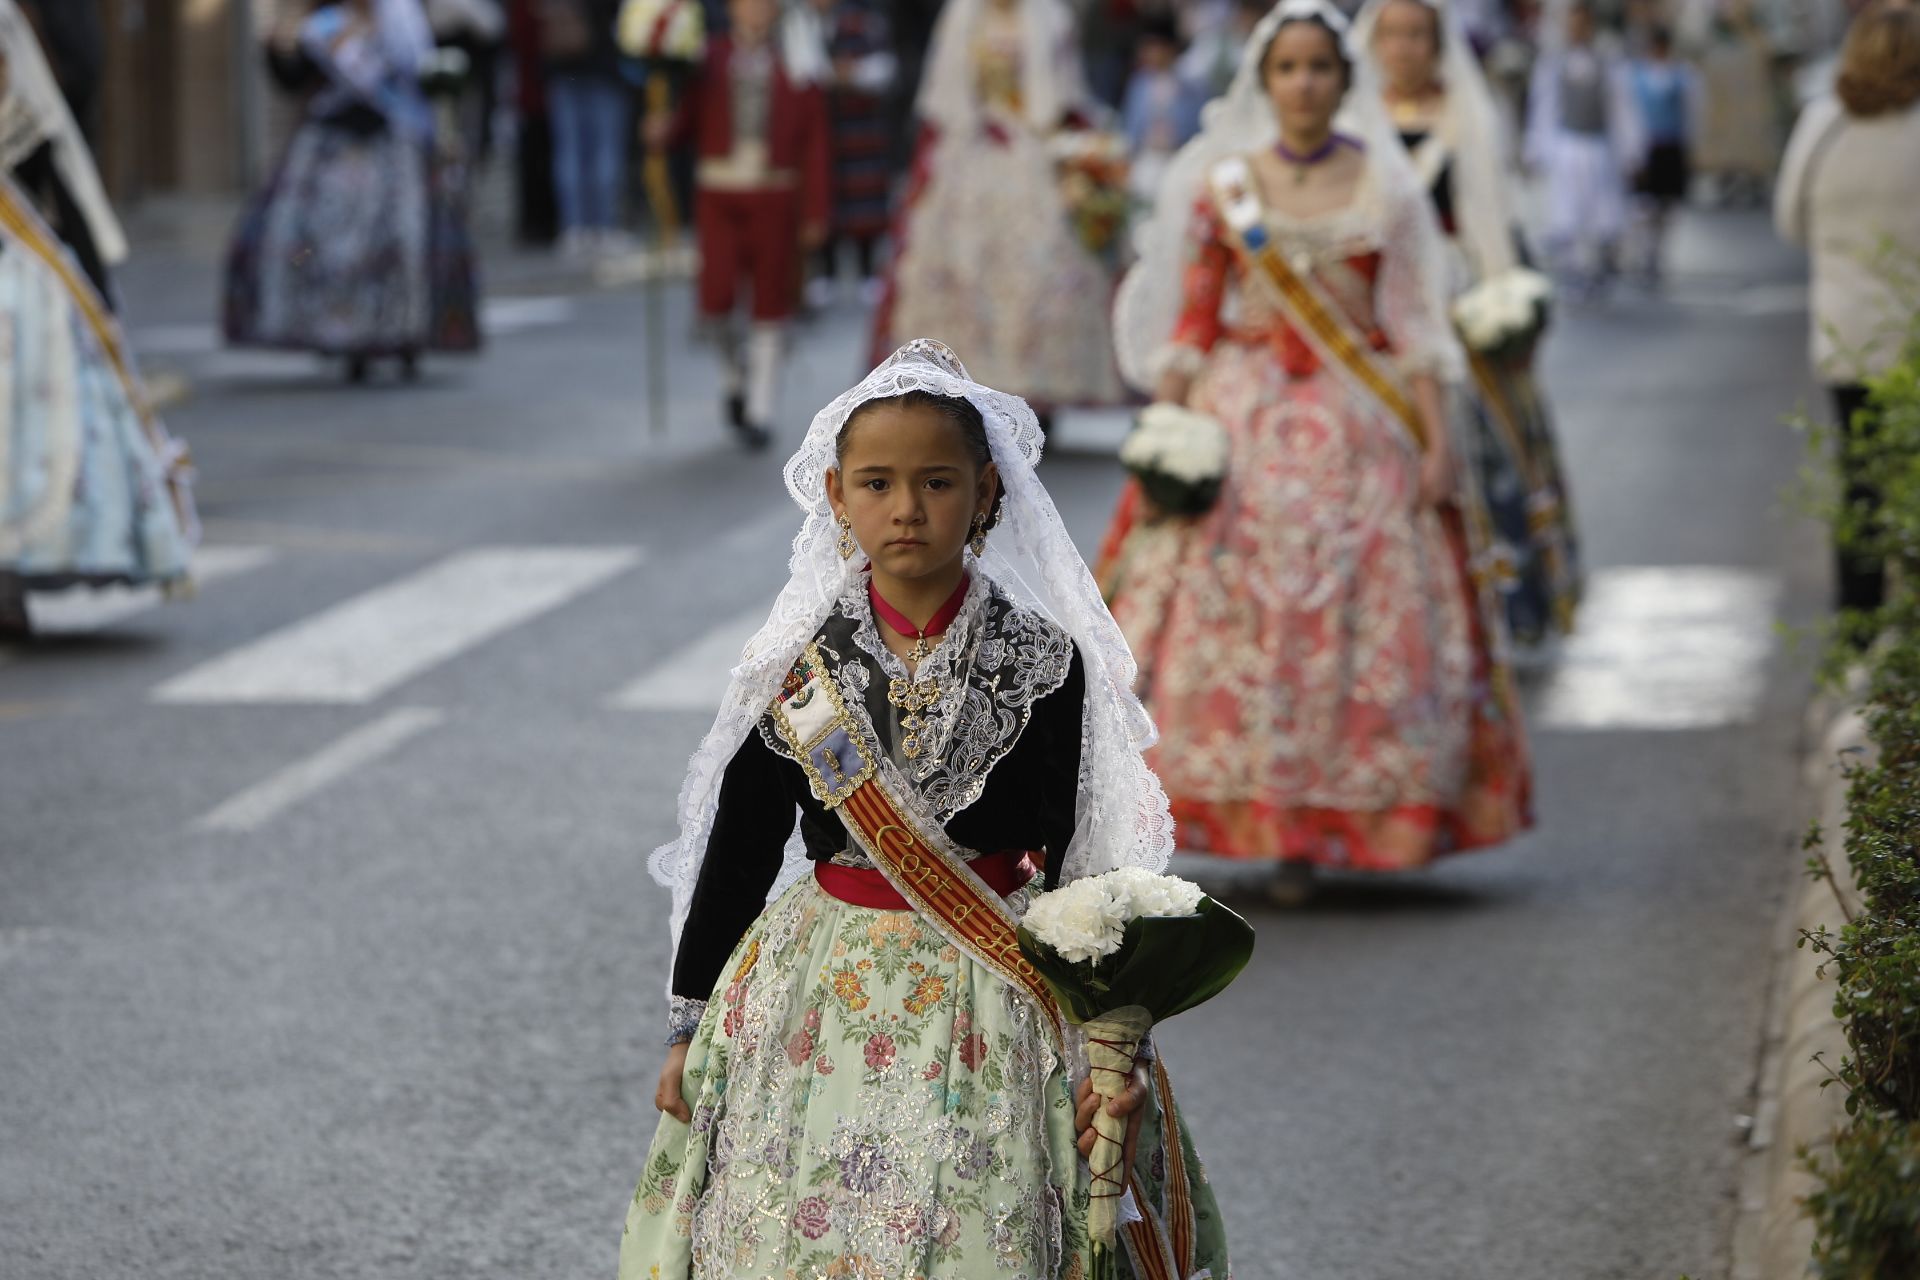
[914, 697]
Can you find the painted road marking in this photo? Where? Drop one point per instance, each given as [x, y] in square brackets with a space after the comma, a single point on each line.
[1665, 647]
[267, 799]
[694, 677]
[359, 649]
[81, 610]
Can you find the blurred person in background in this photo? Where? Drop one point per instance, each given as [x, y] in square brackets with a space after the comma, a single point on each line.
[987, 259]
[1669, 95]
[1110, 32]
[1319, 661]
[536, 207]
[912, 22]
[1849, 190]
[762, 196]
[477, 28]
[1443, 112]
[1162, 110]
[1217, 30]
[859, 67]
[1737, 142]
[92, 489]
[588, 112]
[1584, 134]
[355, 248]
[44, 150]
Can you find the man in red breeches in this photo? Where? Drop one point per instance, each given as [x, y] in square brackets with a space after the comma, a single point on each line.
[761, 197]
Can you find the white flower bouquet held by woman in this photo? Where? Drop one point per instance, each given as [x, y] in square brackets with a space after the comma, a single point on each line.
[1179, 456]
[1122, 951]
[1504, 315]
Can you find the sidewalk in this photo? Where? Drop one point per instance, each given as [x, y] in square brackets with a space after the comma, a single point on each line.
[1796, 1113]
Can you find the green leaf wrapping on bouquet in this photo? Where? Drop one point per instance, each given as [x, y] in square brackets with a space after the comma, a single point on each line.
[1165, 964]
[1180, 497]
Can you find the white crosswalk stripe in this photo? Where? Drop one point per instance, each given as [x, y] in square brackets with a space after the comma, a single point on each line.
[695, 677]
[359, 649]
[1665, 647]
[267, 799]
[73, 612]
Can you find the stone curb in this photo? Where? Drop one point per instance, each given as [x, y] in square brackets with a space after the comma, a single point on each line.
[1773, 1239]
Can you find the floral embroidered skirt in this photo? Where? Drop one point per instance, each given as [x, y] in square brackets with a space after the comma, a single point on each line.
[987, 262]
[1312, 650]
[868, 1102]
[358, 246]
[1517, 464]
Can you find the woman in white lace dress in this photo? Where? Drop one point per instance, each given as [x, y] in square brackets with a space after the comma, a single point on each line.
[986, 259]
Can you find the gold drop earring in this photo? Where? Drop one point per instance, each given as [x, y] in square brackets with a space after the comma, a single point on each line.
[846, 543]
[979, 539]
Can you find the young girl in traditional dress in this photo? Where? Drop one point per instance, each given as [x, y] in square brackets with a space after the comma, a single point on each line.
[986, 258]
[1443, 112]
[1315, 650]
[358, 245]
[856, 1084]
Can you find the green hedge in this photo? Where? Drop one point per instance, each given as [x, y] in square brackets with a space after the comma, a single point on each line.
[1866, 1211]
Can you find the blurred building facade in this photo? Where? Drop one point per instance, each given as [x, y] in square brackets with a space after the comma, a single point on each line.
[184, 107]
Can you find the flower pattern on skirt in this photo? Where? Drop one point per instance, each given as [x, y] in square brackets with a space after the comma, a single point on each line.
[1310, 648]
[866, 1102]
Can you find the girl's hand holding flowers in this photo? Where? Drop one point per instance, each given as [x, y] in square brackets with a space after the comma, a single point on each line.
[1121, 951]
[1131, 1103]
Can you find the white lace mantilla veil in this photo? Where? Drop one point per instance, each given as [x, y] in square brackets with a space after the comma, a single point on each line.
[1241, 121]
[1477, 138]
[1050, 79]
[1122, 817]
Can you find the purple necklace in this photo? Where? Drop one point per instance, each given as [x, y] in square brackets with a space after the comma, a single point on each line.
[1302, 163]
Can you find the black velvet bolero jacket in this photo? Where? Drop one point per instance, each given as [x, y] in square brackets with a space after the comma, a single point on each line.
[1028, 802]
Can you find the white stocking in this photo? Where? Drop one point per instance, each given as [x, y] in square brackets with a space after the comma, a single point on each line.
[765, 344]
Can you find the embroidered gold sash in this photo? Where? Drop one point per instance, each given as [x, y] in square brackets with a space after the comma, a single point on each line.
[1306, 303]
[931, 872]
[1335, 336]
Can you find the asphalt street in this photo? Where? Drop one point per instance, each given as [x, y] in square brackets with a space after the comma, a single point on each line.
[327, 947]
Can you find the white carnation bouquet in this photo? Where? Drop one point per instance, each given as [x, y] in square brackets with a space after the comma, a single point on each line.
[1122, 951]
[1504, 315]
[663, 30]
[1179, 457]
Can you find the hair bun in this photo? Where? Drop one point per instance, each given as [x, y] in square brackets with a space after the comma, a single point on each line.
[929, 351]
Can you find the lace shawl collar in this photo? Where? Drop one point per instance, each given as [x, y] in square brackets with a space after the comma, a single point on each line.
[995, 661]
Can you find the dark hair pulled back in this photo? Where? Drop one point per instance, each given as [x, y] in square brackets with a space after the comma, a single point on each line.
[1333, 37]
[957, 410]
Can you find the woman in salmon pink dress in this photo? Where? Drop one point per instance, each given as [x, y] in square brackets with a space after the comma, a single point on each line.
[1321, 649]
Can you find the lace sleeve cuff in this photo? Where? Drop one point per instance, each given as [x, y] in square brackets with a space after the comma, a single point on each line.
[683, 1018]
[1444, 363]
